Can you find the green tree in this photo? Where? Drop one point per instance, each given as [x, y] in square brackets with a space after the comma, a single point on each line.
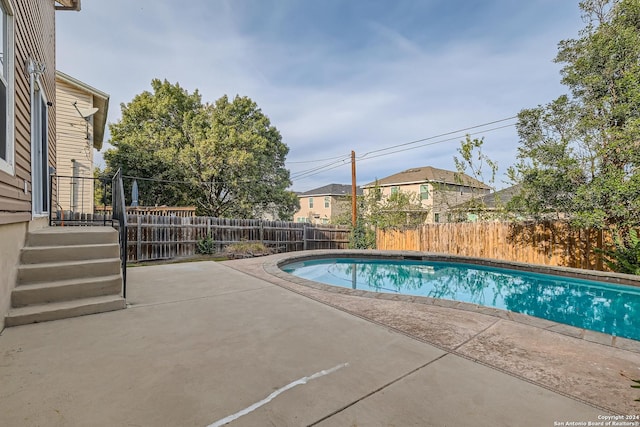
[235, 161]
[375, 211]
[148, 139]
[99, 198]
[580, 154]
[473, 162]
[225, 158]
[398, 210]
[554, 159]
[362, 236]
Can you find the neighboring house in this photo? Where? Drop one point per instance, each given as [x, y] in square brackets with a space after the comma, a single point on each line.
[437, 189]
[81, 116]
[322, 205]
[267, 213]
[487, 207]
[27, 130]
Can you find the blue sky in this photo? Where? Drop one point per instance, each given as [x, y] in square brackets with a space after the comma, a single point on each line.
[335, 76]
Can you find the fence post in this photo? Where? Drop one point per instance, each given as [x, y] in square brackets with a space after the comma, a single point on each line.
[262, 232]
[138, 238]
[305, 243]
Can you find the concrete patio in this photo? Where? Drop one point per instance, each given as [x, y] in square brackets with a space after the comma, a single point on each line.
[205, 343]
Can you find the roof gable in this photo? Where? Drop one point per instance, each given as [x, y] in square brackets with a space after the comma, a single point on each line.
[331, 190]
[100, 100]
[428, 174]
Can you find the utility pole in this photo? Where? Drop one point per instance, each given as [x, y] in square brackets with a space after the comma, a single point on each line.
[353, 189]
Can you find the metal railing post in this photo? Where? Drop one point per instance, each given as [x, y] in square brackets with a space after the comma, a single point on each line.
[104, 201]
[51, 199]
[119, 211]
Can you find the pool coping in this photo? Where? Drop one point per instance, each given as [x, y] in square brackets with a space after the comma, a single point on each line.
[273, 267]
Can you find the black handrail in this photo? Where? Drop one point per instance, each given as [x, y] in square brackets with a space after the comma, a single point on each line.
[51, 176]
[119, 211]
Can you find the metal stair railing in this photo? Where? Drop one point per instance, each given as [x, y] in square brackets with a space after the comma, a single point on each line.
[119, 211]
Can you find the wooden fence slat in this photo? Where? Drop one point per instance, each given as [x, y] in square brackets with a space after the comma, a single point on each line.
[547, 243]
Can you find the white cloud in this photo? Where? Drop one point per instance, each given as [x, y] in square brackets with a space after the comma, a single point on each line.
[326, 95]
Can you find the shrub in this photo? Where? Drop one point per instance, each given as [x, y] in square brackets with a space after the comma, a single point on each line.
[206, 246]
[625, 255]
[244, 249]
[362, 237]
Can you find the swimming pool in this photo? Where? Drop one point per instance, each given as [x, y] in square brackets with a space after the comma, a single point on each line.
[609, 308]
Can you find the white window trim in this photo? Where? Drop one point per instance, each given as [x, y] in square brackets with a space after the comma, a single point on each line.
[427, 192]
[8, 165]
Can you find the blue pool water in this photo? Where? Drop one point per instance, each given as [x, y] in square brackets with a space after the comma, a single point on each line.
[602, 307]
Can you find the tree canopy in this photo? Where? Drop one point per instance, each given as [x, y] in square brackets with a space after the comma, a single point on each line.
[579, 155]
[396, 211]
[225, 158]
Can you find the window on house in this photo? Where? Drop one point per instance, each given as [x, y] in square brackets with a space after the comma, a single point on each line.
[327, 201]
[394, 190]
[310, 202]
[424, 192]
[325, 220]
[436, 217]
[6, 88]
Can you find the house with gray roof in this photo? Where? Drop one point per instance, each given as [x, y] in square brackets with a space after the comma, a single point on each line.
[323, 204]
[437, 189]
[487, 207]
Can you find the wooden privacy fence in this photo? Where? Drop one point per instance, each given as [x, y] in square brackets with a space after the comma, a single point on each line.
[152, 237]
[548, 243]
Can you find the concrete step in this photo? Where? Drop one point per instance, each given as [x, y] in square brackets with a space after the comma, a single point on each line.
[49, 254]
[62, 310]
[63, 236]
[67, 270]
[66, 290]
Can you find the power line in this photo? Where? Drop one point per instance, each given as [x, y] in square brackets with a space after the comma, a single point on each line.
[455, 138]
[302, 173]
[319, 160]
[317, 170]
[438, 136]
[167, 181]
[175, 181]
[316, 173]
